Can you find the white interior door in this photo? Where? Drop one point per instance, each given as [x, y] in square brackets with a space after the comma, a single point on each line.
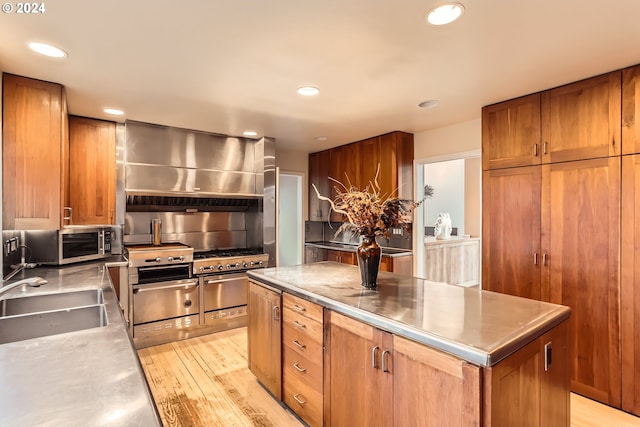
[290, 241]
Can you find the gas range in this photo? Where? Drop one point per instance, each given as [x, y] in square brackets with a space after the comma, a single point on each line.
[228, 260]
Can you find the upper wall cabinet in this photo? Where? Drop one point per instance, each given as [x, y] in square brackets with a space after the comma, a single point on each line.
[582, 120]
[511, 133]
[631, 110]
[92, 175]
[34, 149]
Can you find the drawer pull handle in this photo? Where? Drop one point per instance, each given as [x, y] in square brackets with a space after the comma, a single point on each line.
[297, 398]
[295, 365]
[385, 368]
[299, 325]
[296, 307]
[297, 344]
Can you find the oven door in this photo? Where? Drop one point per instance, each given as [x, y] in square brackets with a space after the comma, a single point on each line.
[165, 300]
[225, 291]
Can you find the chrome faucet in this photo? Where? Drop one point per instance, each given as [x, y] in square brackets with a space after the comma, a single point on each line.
[33, 281]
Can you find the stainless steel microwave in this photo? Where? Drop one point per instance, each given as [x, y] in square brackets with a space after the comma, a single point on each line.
[71, 244]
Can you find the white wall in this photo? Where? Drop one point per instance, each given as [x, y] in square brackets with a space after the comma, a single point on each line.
[447, 180]
[466, 136]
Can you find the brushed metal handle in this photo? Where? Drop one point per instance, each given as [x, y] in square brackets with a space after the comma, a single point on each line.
[276, 313]
[67, 208]
[544, 259]
[297, 398]
[535, 150]
[374, 361]
[296, 307]
[299, 345]
[547, 356]
[299, 325]
[384, 361]
[544, 148]
[535, 258]
[295, 365]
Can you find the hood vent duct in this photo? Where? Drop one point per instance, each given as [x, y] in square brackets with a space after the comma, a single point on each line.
[188, 204]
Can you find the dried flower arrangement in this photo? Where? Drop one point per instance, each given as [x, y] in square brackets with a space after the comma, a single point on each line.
[368, 211]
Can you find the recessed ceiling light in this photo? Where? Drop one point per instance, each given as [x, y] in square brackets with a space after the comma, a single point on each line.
[428, 103]
[250, 133]
[308, 90]
[445, 14]
[321, 138]
[47, 50]
[114, 111]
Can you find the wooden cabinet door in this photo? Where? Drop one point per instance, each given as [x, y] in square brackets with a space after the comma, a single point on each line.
[341, 256]
[630, 287]
[396, 164]
[511, 231]
[581, 240]
[92, 170]
[582, 120]
[528, 389]
[369, 161]
[631, 110]
[32, 144]
[359, 392]
[319, 176]
[431, 388]
[264, 337]
[511, 133]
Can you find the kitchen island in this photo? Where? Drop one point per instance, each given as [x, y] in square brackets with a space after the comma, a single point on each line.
[89, 377]
[414, 351]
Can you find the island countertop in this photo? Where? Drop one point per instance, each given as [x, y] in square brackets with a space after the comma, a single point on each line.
[481, 327]
[91, 377]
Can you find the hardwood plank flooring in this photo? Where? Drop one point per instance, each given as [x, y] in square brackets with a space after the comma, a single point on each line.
[204, 381]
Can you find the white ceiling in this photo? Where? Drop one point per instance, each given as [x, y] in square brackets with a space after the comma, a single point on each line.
[227, 66]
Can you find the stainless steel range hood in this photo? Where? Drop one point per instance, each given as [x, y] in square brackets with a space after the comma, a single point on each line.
[171, 162]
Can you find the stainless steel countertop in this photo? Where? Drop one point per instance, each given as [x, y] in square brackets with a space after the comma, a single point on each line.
[390, 252]
[85, 378]
[478, 326]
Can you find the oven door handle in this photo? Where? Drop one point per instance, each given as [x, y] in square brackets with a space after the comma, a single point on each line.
[162, 286]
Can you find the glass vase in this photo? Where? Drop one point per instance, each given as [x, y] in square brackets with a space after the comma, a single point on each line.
[369, 254]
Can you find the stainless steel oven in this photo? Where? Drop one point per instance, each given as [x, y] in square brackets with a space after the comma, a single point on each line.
[225, 299]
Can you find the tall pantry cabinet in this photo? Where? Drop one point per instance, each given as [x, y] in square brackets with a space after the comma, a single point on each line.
[552, 217]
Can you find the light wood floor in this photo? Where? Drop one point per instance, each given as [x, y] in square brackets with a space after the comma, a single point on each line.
[205, 381]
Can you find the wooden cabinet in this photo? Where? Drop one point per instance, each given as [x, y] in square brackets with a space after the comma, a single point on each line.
[511, 231]
[359, 388]
[318, 175]
[400, 265]
[511, 133]
[630, 286]
[358, 161]
[375, 378]
[530, 387]
[631, 110]
[582, 120]
[302, 358]
[342, 256]
[34, 141]
[92, 177]
[581, 269]
[264, 336]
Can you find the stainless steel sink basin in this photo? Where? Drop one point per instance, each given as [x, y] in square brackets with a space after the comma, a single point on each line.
[46, 323]
[47, 302]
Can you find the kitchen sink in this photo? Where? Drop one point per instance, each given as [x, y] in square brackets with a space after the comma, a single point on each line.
[48, 302]
[54, 322]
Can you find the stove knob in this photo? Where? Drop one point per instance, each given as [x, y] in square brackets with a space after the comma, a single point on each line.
[228, 266]
[201, 268]
[220, 267]
[158, 259]
[181, 258]
[237, 265]
[170, 259]
[260, 263]
[253, 263]
[211, 267]
[245, 265]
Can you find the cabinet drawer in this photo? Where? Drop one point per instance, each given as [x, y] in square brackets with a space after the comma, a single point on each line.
[308, 327]
[304, 400]
[303, 307]
[298, 368]
[302, 342]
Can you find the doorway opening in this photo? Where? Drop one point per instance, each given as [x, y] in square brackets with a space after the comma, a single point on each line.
[290, 242]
